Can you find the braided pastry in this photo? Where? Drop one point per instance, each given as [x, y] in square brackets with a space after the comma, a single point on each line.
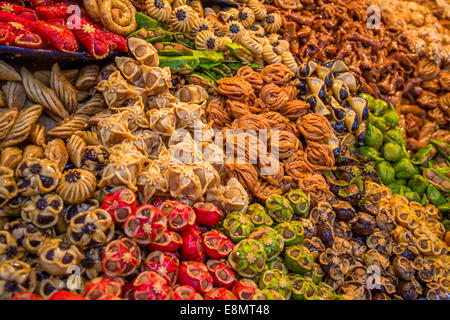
[258, 8]
[315, 127]
[277, 73]
[273, 96]
[252, 77]
[63, 88]
[319, 156]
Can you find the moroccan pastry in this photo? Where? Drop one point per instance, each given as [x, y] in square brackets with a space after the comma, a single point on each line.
[251, 44]
[76, 185]
[92, 9]
[159, 9]
[183, 18]
[114, 129]
[37, 176]
[252, 77]
[246, 16]
[150, 181]
[118, 16]
[206, 41]
[10, 157]
[8, 187]
[37, 135]
[68, 127]
[15, 94]
[273, 96]
[315, 127]
[202, 24]
[63, 88]
[182, 182]
[130, 69]
[162, 121]
[156, 80]
[277, 73]
[236, 88]
[9, 248]
[271, 54]
[235, 30]
[258, 8]
[234, 197]
[41, 94]
[57, 255]
[7, 119]
[43, 210]
[91, 228]
[93, 106]
[124, 165]
[33, 151]
[87, 77]
[8, 73]
[22, 126]
[272, 22]
[144, 52]
[116, 90]
[19, 274]
[56, 151]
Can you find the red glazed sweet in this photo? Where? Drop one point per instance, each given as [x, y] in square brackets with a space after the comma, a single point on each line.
[192, 248]
[149, 285]
[65, 295]
[103, 288]
[91, 39]
[220, 294]
[184, 293]
[148, 224]
[180, 217]
[121, 258]
[120, 204]
[18, 34]
[245, 289]
[207, 214]
[23, 12]
[115, 41]
[56, 35]
[196, 275]
[223, 275]
[25, 295]
[164, 263]
[217, 245]
[170, 241]
[59, 11]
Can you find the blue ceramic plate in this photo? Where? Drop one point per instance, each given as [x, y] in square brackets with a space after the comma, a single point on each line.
[49, 54]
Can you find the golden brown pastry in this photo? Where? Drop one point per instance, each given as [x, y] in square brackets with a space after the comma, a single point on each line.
[76, 186]
[37, 92]
[7, 119]
[22, 126]
[252, 77]
[10, 157]
[118, 16]
[65, 91]
[43, 210]
[94, 105]
[56, 151]
[8, 187]
[69, 126]
[182, 183]
[57, 255]
[315, 127]
[15, 94]
[144, 52]
[19, 274]
[33, 151]
[160, 10]
[184, 18]
[91, 228]
[37, 135]
[37, 176]
[8, 73]
[273, 96]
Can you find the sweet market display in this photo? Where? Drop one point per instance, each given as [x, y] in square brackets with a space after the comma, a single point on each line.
[285, 150]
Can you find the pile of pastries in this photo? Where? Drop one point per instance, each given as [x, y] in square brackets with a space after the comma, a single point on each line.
[230, 153]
